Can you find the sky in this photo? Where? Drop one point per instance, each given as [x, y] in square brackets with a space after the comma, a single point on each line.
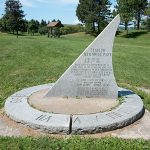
[64, 10]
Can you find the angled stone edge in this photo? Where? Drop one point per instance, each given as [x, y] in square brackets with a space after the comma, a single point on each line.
[18, 109]
[91, 75]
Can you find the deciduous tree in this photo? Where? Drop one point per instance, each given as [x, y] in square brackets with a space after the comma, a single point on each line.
[126, 10]
[139, 8]
[33, 26]
[93, 13]
[13, 15]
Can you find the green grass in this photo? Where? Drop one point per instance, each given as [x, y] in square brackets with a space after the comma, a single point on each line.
[29, 60]
[132, 59]
[74, 143]
[34, 60]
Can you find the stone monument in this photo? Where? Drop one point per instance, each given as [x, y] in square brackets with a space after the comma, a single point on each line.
[84, 99]
[91, 75]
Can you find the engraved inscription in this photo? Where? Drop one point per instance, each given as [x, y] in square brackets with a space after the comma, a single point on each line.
[45, 118]
[114, 115]
[20, 95]
[16, 99]
[77, 120]
[123, 111]
[99, 119]
[96, 118]
[91, 75]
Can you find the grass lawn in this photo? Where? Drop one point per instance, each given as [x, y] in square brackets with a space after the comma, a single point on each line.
[34, 60]
[74, 143]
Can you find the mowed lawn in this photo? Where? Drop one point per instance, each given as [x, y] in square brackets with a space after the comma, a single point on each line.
[33, 60]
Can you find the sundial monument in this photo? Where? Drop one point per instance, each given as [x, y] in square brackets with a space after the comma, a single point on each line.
[74, 104]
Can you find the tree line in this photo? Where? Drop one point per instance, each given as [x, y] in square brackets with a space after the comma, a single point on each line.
[94, 14]
[13, 20]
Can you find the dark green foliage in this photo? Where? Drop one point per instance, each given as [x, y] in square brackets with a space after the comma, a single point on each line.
[3, 27]
[33, 26]
[43, 30]
[68, 29]
[43, 23]
[73, 143]
[93, 13]
[129, 9]
[23, 26]
[147, 24]
[13, 15]
[147, 10]
[56, 32]
[53, 20]
[125, 9]
[139, 9]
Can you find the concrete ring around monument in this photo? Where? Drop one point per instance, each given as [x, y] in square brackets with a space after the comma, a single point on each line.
[18, 109]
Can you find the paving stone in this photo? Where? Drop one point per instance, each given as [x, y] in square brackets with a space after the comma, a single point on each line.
[19, 110]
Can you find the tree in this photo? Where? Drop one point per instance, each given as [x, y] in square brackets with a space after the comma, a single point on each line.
[125, 9]
[114, 13]
[43, 27]
[93, 13]
[43, 23]
[33, 26]
[53, 20]
[139, 8]
[23, 26]
[147, 21]
[147, 11]
[3, 24]
[13, 15]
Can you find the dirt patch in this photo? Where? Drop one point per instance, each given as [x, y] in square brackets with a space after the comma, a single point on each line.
[71, 106]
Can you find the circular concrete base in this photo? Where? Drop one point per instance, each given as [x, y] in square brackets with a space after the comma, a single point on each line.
[18, 108]
[70, 106]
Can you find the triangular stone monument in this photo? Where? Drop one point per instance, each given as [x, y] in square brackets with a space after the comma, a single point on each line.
[91, 75]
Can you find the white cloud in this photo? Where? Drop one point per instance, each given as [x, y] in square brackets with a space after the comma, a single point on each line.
[26, 3]
[31, 3]
[69, 1]
[43, 1]
[58, 1]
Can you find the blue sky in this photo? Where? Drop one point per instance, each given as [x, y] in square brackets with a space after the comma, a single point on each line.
[65, 10]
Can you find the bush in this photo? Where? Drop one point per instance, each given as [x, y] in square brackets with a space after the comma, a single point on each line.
[68, 29]
[43, 30]
[147, 24]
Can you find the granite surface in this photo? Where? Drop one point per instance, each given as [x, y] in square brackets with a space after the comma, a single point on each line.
[91, 75]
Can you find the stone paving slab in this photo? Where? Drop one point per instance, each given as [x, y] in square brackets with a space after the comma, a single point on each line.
[139, 129]
[18, 109]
